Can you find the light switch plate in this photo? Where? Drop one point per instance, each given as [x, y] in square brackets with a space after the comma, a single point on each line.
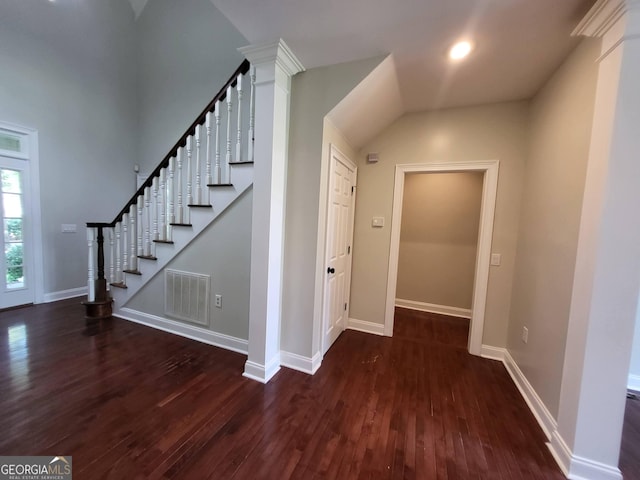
[69, 228]
[377, 222]
[496, 259]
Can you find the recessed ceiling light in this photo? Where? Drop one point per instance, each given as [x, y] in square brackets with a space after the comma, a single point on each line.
[460, 50]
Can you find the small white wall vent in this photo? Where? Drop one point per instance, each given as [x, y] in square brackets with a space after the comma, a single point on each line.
[186, 296]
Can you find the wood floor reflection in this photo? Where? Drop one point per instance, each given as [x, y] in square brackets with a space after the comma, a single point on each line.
[130, 402]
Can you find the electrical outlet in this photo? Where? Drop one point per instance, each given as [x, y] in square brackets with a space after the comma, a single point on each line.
[219, 301]
[525, 334]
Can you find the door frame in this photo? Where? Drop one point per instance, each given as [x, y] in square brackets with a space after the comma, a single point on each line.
[35, 230]
[323, 318]
[485, 236]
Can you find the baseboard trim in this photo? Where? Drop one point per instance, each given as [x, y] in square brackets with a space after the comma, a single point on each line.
[366, 327]
[300, 363]
[261, 373]
[535, 403]
[493, 353]
[64, 294]
[634, 383]
[199, 334]
[433, 308]
[579, 468]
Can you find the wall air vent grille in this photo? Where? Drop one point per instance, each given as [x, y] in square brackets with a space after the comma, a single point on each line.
[187, 296]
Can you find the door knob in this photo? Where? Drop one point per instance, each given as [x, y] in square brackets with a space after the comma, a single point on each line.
[331, 270]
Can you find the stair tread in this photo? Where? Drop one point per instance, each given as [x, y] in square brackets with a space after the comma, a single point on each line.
[219, 184]
[133, 272]
[242, 162]
[198, 205]
[181, 225]
[118, 284]
[148, 257]
[168, 242]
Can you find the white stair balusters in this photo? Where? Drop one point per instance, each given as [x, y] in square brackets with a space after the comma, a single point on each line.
[162, 205]
[155, 208]
[179, 210]
[218, 169]
[91, 243]
[140, 224]
[118, 233]
[112, 259]
[133, 257]
[125, 245]
[228, 157]
[252, 115]
[146, 201]
[239, 110]
[198, 196]
[187, 213]
[208, 158]
[171, 217]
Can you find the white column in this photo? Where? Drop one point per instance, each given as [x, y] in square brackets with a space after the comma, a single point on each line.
[118, 231]
[179, 212]
[133, 257]
[162, 205]
[606, 285]
[217, 117]
[198, 167]
[239, 110]
[112, 260]
[125, 245]
[229, 158]
[275, 65]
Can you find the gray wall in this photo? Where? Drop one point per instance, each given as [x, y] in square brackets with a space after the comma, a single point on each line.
[439, 238]
[559, 138]
[223, 251]
[490, 132]
[313, 94]
[186, 52]
[75, 84]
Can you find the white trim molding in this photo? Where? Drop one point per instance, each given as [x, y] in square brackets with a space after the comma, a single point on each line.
[634, 383]
[433, 308]
[261, 373]
[485, 234]
[578, 468]
[192, 332]
[493, 353]
[300, 363]
[64, 294]
[364, 326]
[536, 405]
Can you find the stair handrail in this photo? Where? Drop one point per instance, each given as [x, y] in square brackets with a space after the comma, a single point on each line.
[221, 95]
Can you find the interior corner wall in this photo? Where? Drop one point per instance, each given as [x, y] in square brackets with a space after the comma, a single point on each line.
[186, 52]
[489, 132]
[313, 94]
[559, 138]
[439, 238]
[81, 100]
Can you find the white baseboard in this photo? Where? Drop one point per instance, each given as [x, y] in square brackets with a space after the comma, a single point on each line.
[300, 363]
[493, 353]
[366, 327]
[262, 373]
[189, 331]
[634, 383]
[64, 294]
[433, 308]
[578, 468]
[535, 403]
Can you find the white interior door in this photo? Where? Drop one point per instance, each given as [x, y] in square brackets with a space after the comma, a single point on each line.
[342, 179]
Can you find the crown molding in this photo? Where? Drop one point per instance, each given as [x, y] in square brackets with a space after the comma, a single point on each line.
[278, 53]
[603, 16]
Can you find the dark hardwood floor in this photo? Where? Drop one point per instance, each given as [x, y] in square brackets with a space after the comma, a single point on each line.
[130, 402]
[630, 447]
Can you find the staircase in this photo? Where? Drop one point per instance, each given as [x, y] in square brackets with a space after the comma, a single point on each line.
[209, 167]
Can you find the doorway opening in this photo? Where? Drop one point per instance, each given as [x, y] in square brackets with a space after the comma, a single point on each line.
[489, 173]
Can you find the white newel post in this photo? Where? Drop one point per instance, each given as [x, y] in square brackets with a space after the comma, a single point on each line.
[275, 64]
[606, 287]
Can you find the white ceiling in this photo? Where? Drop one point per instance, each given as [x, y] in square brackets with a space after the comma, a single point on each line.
[519, 43]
